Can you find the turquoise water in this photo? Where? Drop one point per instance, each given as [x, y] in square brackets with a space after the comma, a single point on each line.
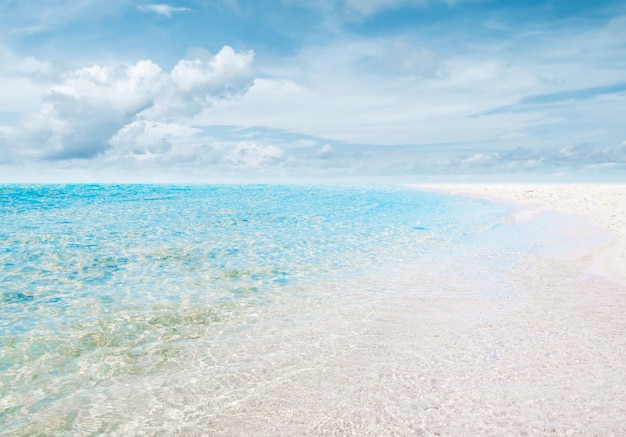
[121, 303]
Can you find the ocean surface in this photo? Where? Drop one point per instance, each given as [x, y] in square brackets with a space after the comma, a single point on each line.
[251, 309]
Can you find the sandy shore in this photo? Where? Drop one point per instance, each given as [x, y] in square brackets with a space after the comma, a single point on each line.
[557, 356]
[436, 347]
[603, 205]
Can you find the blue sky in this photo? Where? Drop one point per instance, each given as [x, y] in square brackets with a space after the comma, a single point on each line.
[398, 90]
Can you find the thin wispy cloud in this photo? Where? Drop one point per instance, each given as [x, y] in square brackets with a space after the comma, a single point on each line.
[163, 9]
[368, 7]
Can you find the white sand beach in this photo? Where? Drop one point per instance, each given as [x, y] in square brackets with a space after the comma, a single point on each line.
[549, 360]
[557, 358]
[603, 205]
[529, 345]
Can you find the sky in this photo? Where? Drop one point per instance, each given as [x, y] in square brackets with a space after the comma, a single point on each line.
[281, 90]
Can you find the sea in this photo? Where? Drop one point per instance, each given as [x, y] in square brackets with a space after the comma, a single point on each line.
[248, 309]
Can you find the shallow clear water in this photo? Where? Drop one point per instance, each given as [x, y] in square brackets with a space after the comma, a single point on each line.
[139, 309]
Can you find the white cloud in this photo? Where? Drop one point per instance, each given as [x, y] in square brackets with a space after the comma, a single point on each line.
[454, 101]
[544, 160]
[405, 89]
[199, 83]
[20, 94]
[225, 73]
[95, 108]
[254, 155]
[83, 112]
[339, 102]
[162, 9]
[23, 81]
[12, 64]
[325, 152]
[149, 138]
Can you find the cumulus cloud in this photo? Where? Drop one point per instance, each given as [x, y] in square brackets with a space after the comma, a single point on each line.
[218, 76]
[195, 84]
[148, 138]
[83, 112]
[162, 9]
[132, 108]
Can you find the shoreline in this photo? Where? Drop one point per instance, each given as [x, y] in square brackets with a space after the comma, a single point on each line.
[601, 205]
[459, 343]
